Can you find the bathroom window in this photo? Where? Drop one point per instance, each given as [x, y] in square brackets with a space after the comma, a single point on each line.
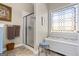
[64, 20]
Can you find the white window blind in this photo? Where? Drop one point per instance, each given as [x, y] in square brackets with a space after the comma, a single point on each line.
[64, 20]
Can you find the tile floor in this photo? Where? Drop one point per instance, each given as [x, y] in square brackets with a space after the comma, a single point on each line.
[22, 51]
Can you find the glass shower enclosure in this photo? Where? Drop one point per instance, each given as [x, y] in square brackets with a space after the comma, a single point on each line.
[29, 21]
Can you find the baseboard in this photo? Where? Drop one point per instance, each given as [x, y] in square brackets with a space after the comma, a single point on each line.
[28, 47]
[4, 49]
[18, 45]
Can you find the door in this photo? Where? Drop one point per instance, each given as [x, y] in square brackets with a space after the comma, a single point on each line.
[30, 30]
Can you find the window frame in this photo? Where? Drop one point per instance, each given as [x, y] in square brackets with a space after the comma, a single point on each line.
[57, 10]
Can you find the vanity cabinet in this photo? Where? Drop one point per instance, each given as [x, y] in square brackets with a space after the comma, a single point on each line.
[1, 37]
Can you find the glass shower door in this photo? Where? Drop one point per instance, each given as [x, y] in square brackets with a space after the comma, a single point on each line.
[30, 30]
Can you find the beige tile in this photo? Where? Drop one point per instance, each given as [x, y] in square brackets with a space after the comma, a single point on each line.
[20, 51]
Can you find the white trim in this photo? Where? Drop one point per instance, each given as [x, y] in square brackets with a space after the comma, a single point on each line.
[18, 45]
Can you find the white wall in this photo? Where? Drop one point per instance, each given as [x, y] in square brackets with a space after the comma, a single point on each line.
[41, 31]
[17, 11]
[54, 6]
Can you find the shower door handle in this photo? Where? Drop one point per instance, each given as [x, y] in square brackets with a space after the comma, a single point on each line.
[29, 27]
